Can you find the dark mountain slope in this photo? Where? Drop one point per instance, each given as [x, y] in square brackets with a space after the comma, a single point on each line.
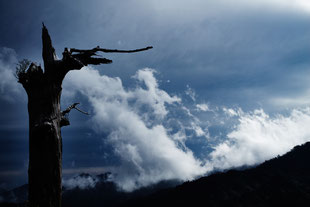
[104, 193]
[282, 181]
[16, 195]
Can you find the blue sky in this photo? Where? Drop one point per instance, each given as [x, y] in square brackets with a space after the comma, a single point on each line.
[226, 85]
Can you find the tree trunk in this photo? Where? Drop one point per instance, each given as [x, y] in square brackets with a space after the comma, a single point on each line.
[45, 118]
[45, 146]
[45, 121]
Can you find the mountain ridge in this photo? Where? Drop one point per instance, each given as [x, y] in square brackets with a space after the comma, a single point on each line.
[281, 181]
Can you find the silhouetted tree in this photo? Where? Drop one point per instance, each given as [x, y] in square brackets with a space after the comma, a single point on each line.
[45, 117]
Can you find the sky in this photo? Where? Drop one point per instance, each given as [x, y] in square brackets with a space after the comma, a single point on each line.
[226, 85]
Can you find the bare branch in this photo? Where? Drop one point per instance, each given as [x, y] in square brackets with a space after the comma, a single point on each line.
[76, 58]
[98, 49]
[69, 108]
[83, 112]
[86, 59]
[73, 106]
[77, 61]
[64, 120]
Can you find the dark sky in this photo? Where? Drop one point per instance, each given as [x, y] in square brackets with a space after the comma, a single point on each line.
[226, 84]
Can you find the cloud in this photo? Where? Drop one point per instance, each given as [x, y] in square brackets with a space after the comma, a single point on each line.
[81, 181]
[301, 5]
[133, 120]
[149, 130]
[259, 137]
[190, 92]
[152, 96]
[9, 87]
[232, 112]
[202, 107]
[199, 8]
[198, 130]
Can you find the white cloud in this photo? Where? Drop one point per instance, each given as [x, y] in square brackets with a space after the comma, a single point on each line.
[152, 96]
[198, 8]
[198, 130]
[303, 5]
[202, 107]
[135, 123]
[9, 87]
[81, 181]
[290, 5]
[231, 112]
[190, 92]
[259, 137]
[147, 152]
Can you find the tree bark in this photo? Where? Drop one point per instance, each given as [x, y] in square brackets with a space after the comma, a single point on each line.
[45, 146]
[45, 141]
[46, 119]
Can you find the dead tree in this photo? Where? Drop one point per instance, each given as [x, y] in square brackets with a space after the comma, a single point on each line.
[44, 88]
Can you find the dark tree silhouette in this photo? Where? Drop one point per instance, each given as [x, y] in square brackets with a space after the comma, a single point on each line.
[45, 117]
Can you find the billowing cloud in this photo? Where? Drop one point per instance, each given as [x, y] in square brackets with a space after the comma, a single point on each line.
[9, 87]
[152, 96]
[133, 122]
[151, 143]
[259, 137]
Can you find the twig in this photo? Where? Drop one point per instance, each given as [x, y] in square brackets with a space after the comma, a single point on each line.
[73, 106]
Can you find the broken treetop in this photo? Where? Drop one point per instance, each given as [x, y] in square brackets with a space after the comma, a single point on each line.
[73, 59]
